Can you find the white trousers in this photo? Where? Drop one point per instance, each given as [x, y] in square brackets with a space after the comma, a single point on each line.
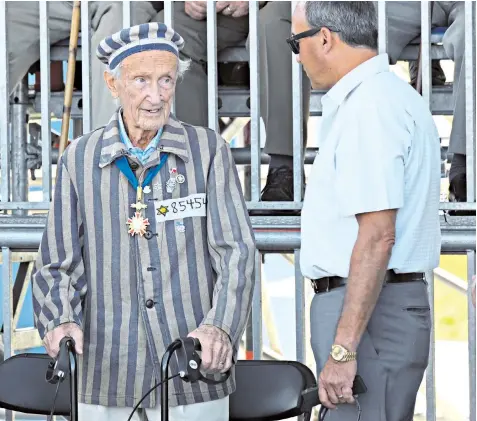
[205, 411]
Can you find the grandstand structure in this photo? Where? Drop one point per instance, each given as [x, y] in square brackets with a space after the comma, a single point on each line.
[27, 146]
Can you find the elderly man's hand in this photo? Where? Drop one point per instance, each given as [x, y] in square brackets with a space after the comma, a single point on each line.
[236, 9]
[53, 338]
[196, 9]
[216, 348]
[336, 382]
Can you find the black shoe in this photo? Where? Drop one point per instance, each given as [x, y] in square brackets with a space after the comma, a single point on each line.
[438, 75]
[278, 188]
[458, 193]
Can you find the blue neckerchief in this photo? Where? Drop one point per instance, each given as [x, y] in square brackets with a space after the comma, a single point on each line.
[123, 165]
[141, 154]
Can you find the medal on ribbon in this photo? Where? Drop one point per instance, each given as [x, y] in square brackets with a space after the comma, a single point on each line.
[137, 224]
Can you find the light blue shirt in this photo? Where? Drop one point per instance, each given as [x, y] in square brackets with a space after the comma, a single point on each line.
[379, 149]
[141, 154]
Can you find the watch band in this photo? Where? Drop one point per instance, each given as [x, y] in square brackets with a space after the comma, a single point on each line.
[349, 356]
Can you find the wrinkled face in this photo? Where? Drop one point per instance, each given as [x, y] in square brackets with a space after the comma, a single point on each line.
[314, 51]
[145, 88]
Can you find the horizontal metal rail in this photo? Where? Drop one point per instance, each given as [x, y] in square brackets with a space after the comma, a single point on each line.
[25, 233]
[235, 102]
[239, 54]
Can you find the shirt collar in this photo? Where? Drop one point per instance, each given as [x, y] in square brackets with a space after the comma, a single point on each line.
[173, 140]
[125, 138]
[355, 77]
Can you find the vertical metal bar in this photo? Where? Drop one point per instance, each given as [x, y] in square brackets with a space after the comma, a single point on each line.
[169, 21]
[7, 310]
[299, 310]
[382, 34]
[45, 101]
[469, 68]
[430, 373]
[257, 309]
[472, 339]
[297, 95]
[126, 13]
[426, 50]
[254, 99]
[4, 106]
[86, 66]
[77, 127]
[212, 65]
[7, 301]
[168, 17]
[19, 140]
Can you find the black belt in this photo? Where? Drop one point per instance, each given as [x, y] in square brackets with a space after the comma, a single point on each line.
[331, 282]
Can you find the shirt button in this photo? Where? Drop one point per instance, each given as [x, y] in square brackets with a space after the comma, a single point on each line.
[149, 304]
[134, 166]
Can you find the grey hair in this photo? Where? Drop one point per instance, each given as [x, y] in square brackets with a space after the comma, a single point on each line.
[355, 22]
[182, 67]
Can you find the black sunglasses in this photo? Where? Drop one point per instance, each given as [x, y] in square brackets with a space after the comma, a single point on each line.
[294, 43]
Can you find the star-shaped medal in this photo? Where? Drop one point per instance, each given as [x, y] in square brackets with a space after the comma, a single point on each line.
[137, 224]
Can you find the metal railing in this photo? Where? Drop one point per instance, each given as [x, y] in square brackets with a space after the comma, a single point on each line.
[21, 231]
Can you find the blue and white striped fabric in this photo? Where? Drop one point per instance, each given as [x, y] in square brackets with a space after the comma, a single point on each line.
[133, 296]
[145, 37]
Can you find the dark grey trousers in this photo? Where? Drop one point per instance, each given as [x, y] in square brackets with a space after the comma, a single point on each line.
[392, 355]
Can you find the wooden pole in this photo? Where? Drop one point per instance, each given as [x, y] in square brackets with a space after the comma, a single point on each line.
[70, 76]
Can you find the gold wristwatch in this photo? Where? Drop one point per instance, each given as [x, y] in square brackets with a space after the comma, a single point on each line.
[341, 355]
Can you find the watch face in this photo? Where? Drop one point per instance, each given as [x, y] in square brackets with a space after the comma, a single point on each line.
[337, 352]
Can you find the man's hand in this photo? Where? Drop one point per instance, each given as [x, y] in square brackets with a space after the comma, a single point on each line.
[196, 9]
[236, 9]
[216, 348]
[53, 338]
[335, 384]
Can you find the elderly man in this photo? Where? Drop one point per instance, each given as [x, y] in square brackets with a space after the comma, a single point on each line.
[148, 240]
[368, 249]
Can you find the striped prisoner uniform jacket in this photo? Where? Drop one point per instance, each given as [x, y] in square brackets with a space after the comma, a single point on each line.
[132, 295]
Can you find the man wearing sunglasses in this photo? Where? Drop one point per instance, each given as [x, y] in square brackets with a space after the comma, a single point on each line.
[370, 220]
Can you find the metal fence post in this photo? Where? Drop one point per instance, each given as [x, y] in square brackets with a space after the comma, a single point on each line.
[86, 66]
[45, 87]
[18, 157]
[254, 101]
[7, 310]
[213, 115]
[4, 106]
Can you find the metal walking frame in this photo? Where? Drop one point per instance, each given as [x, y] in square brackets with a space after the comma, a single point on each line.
[265, 390]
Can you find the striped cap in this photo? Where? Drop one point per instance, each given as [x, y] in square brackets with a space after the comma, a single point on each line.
[145, 37]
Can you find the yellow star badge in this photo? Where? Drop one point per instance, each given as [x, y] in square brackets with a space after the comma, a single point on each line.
[163, 210]
[137, 224]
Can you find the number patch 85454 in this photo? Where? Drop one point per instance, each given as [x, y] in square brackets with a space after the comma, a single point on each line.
[184, 207]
